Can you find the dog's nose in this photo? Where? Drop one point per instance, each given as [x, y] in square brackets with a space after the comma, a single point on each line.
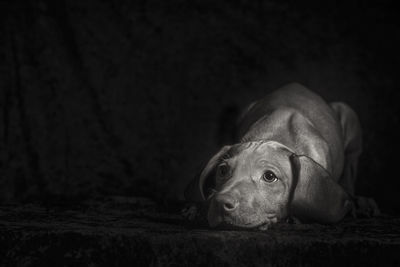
[227, 202]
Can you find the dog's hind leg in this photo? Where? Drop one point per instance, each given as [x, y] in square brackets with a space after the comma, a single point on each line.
[352, 139]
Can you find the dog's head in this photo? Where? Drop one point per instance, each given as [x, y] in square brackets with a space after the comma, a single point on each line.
[255, 184]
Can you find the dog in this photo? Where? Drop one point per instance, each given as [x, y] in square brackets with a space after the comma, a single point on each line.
[296, 158]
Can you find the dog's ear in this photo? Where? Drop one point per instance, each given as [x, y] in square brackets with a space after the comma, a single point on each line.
[197, 189]
[316, 196]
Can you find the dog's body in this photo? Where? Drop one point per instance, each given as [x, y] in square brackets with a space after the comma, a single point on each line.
[297, 156]
[301, 120]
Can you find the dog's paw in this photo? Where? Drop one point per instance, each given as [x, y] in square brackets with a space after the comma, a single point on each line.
[365, 207]
[293, 220]
[190, 212]
[264, 227]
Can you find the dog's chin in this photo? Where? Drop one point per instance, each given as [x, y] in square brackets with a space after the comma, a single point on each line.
[227, 223]
[255, 226]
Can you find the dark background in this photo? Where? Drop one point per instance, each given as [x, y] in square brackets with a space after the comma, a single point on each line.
[129, 97]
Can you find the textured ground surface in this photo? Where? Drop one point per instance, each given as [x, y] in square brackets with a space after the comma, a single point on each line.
[127, 232]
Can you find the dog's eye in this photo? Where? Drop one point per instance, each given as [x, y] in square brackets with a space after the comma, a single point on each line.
[222, 170]
[269, 177]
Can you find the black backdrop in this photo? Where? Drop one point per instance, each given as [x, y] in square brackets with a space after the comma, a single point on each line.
[129, 97]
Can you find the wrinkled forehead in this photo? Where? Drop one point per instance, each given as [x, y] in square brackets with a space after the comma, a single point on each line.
[251, 152]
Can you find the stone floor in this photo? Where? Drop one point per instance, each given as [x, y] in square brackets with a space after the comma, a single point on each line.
[139, 232]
